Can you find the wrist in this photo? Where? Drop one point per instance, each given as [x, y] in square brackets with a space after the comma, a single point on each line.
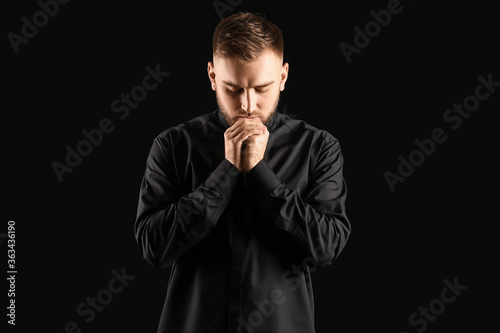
[250, 164]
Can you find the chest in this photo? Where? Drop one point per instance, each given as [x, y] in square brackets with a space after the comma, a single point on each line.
[288, 156]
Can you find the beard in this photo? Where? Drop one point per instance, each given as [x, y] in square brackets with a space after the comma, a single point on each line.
[229, 119]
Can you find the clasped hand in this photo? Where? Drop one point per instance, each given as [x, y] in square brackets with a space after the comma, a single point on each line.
[245, 143]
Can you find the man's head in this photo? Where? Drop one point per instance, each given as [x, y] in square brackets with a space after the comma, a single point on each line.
[247, 72]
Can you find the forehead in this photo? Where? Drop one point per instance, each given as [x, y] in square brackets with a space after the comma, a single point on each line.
[266, 67]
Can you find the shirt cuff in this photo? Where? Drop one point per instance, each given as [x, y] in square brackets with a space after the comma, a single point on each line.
[262, 179]
[224, 179]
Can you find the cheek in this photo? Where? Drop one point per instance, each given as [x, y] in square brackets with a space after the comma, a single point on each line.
[269, 100]
[228, 101]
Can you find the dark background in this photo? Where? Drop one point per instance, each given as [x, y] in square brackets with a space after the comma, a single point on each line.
[436, 225]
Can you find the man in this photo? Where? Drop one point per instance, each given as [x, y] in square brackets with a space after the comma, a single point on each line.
[243, 203]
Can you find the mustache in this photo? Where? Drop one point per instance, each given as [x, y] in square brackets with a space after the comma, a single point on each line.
[249, 115]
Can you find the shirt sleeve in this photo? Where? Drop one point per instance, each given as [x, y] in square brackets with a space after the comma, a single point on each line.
[313, 225]
[167, 224]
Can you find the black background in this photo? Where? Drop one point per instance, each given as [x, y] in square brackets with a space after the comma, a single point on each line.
[436, 225]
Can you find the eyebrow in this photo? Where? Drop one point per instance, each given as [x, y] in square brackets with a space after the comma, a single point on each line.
[232, 84]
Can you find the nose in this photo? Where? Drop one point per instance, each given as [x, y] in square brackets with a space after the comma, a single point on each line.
[248, 101]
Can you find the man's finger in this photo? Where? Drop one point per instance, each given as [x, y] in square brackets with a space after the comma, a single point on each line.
[242, 137]
[253, 138]
[249, 130]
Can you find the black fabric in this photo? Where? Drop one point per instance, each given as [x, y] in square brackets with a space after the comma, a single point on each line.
[241, 246]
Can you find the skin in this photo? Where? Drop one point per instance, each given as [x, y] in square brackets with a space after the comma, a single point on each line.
[247, 94]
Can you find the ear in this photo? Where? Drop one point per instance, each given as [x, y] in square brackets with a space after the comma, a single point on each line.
[284, 76]
[211, 75]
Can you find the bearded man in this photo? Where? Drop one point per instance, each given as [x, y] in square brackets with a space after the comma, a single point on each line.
[243, 203]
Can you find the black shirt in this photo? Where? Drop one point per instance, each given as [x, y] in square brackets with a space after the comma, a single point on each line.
[242, 246]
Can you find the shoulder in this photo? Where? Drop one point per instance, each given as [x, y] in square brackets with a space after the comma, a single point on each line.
[187, 128]
[297, 127]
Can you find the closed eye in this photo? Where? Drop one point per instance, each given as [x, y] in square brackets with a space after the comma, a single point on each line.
[239, 91]
[235, 92]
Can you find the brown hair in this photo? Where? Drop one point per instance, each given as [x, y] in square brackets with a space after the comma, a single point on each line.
[244, 35]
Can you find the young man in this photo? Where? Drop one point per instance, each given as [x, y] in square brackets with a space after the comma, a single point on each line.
[243, 203]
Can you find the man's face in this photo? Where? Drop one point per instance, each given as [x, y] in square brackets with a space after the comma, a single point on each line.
[248, 90]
